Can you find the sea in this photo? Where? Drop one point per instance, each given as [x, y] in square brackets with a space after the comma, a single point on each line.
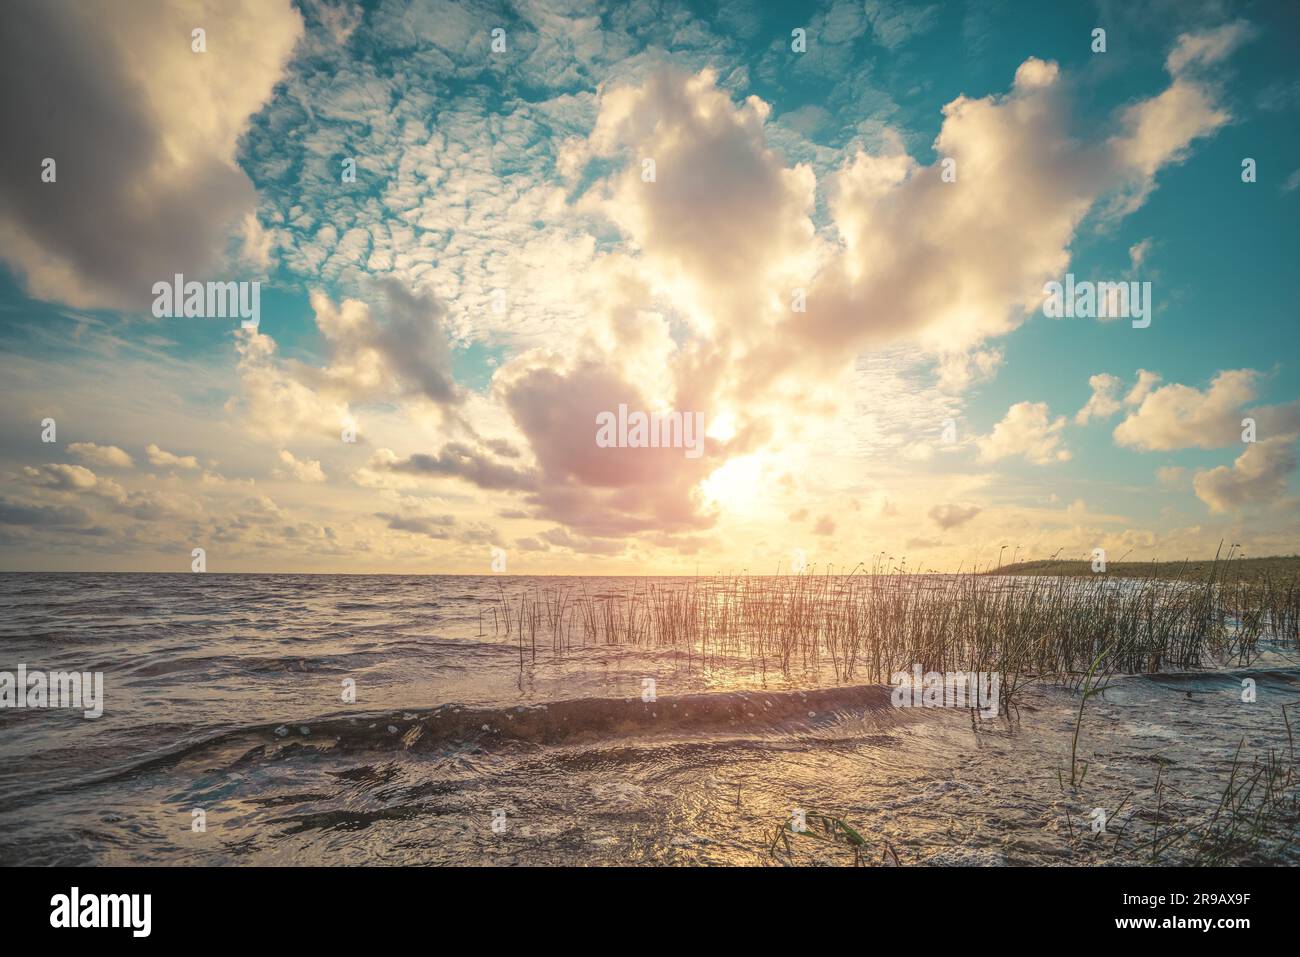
[355, 719]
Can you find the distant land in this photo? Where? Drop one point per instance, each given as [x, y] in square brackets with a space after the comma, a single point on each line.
[1188, 569]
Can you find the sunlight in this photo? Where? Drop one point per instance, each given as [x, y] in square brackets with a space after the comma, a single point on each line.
[736, 486]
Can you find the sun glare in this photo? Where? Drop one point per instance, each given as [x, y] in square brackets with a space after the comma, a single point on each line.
[736, 486]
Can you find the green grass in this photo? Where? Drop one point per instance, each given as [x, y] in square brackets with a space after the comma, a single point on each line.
[827, 829]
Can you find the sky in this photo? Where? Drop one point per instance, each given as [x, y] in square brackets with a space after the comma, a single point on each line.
[825, 231]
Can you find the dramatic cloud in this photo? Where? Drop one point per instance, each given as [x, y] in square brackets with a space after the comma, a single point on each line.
[394, 348]
[375, 351]
[951, 264]
[605, 216]
[143, 133]
[599, 491]
[724, 219]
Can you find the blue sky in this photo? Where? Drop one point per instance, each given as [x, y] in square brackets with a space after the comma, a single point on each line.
[500, 270]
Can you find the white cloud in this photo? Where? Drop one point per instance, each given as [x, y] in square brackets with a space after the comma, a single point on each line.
[959, 371]
[1104, 401]
[1207, 47]
[62, 477]
[299, 470]
[1258, 477]
[1178, 416]
[102, 455]
[1146, 381]
[163, 459]
[1026, 430]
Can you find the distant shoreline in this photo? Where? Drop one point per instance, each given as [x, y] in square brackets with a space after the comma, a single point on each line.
[1187, 569]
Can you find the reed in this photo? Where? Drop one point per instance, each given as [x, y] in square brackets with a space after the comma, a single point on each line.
[870, 623]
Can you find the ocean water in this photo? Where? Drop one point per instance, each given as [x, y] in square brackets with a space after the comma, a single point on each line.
[224, 694]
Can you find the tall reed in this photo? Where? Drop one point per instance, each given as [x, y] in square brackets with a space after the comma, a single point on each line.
[870, 623]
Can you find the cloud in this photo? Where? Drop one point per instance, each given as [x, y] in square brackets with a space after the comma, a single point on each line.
[671, 295]
[50, 516]
[1026, 430]
[160, 458]
[434, 526]
[951, 264]
[456, 460]
[895, 23]
[952, 515]
[695, 310]
[102, 455]
[591, 546]
[1158, 131]
[959, 371]
[1146, 381]
[1178, 416]
[275, 403]
[396, 348]
[64, 478]
[1104, 401]
[1258, 477]
[1138, 253]
[300, 470]
[600, 491]
[720, 197]
[399, 346]
[1207, 47]
[144, 133]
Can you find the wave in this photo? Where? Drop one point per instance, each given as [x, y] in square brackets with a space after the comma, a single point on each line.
[558, 722]
[455, 727]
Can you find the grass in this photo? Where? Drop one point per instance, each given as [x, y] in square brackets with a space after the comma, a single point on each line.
[866, 625]
[1091, 686]
[826, 829]
[1255, 820]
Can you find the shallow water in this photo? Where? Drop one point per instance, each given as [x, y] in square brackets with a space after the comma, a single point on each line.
[223, 694]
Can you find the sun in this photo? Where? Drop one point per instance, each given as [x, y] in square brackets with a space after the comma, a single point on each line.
[738, 485]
